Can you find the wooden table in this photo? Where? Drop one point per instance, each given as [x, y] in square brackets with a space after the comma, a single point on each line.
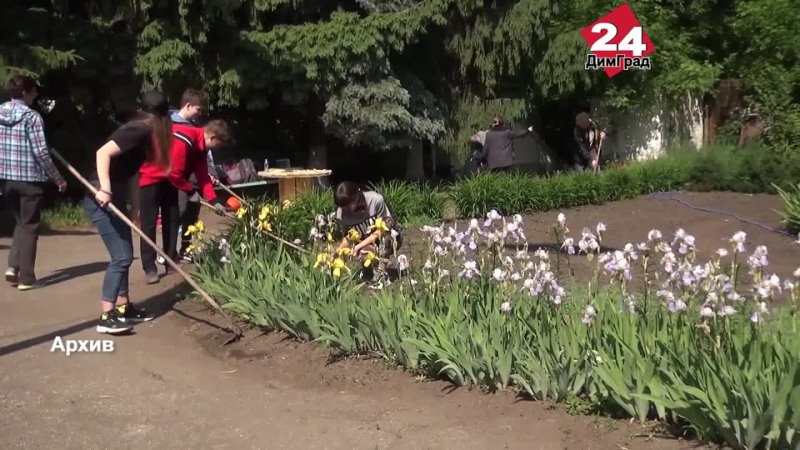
[294, 182]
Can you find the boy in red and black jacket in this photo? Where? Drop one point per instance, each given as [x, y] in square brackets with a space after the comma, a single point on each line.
[173, 194]
[190, 157]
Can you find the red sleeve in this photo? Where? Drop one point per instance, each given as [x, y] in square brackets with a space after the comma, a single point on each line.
[203, 180]
[178, 160]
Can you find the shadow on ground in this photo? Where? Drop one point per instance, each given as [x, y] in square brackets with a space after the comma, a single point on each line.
[159, 305]
[61, 275]
[73, 232]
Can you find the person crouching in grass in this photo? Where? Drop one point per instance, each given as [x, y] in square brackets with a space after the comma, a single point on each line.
[366, 213]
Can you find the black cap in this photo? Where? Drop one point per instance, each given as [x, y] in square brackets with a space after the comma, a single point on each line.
[155, 103]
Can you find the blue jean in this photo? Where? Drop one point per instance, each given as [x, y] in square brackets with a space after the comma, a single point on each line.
[117, 237]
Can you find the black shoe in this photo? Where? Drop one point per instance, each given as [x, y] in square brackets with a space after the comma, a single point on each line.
[187, 257]
[368, 274]
[134, 314]
[151, 277]
[110, 323]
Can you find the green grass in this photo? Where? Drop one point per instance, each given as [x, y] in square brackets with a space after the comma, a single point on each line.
[791, 209]
[64, 216]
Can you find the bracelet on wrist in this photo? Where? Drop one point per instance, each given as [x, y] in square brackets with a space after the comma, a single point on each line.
[105, 192]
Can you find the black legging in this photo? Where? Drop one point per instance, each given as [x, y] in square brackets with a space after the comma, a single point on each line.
[154, 198]
[189, 214]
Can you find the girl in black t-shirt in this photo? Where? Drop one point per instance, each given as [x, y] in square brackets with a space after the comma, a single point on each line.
[148, 137]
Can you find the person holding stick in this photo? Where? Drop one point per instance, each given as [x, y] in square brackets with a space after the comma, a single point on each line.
[189, 157]
[146, 138]
[586, 139]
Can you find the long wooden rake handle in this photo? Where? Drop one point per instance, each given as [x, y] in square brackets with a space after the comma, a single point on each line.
[273, 236]
[235, 328]
[230, 191]
[599, 149]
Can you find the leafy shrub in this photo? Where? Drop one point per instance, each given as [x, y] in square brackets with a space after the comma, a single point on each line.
[743, 169]
[708, 355]
[520, 193]
[413, 202]
[290, 221]
[791, 208]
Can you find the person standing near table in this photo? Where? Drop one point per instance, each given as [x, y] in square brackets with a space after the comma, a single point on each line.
[26, 169]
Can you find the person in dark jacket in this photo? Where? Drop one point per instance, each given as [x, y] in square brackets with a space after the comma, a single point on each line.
[585, 142]
[498, 145]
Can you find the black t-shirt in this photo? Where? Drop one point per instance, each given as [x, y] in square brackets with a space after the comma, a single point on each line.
[135, 142]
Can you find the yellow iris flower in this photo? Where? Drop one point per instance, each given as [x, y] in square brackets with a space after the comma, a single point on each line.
[338, 266]
[344, 252]
[287, 203]
[329, 236]
[380, 225]
[241, 212]
[264, 213]
[198, 227]
[353, 235]
[369, 258]
[322, 259]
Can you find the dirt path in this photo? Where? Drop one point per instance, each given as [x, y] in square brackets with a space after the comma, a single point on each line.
[167, 386]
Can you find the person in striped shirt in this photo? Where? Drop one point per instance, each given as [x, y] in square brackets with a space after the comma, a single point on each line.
[360, 210]
[26, 170]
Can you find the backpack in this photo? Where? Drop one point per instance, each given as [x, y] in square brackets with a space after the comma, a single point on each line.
[232, 173]
[240, 172]
[248, 170]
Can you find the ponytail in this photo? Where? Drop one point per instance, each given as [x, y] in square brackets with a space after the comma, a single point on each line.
[161, 135]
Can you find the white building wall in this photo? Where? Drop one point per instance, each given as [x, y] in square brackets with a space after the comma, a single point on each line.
[649, 132]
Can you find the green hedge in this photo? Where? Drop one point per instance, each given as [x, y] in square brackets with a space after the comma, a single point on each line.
[718, 168]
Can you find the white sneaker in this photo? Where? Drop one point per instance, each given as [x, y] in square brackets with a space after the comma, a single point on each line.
[11, 275]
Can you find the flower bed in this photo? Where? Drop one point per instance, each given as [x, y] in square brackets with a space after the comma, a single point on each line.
[697, 346]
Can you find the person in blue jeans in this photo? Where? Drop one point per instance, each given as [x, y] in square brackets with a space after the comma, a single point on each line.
[146, 138]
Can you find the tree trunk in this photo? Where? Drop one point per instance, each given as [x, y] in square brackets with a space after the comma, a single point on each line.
[317, 147]
[434, 162]
[415, 164]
